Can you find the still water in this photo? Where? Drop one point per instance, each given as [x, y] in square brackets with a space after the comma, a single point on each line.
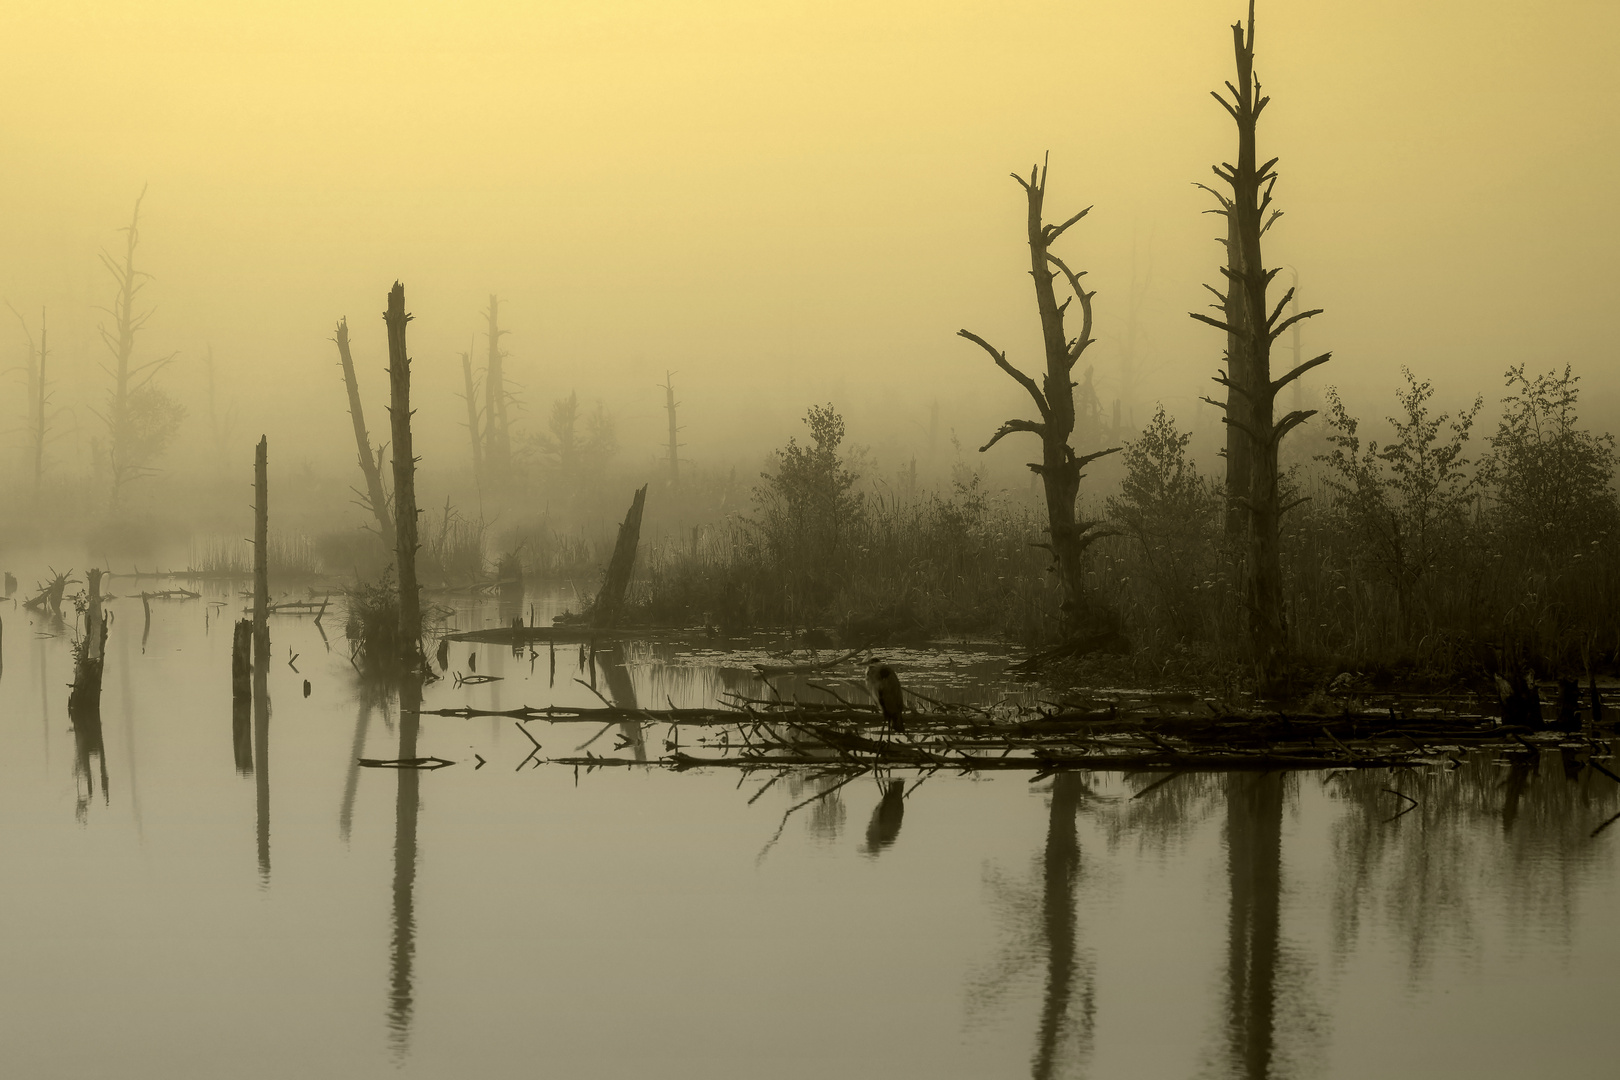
[183, 899]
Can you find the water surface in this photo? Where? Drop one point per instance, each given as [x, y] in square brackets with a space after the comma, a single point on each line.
[190, 893]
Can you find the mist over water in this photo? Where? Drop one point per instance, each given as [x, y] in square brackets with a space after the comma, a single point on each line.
[673, 645]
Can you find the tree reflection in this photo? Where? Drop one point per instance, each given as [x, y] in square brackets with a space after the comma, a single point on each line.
[622, 692]
[402, 946]
[1254, 874]
[261, 752]
[1515, 829]
[1045, 930]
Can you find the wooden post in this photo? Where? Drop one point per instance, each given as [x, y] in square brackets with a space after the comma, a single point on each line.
[610, 599]
[370, 461]
[399, 383]
[261, 554]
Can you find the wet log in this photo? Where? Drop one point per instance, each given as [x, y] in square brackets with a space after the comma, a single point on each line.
[610, 599]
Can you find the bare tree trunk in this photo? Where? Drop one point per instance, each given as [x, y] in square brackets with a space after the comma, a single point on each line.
[497, 439]
[126, 461]
[1059, 469]
[471, 393]
[1239, 368]
[399, 382]
[375, 497]
[39, 413]
[674, 444]
[261, 555]
[1252, 392]
[610, 599]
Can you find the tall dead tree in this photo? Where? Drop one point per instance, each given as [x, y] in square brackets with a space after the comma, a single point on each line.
[1251, 326]
[141, 419]
[1059, 469]
[375, 497]
[261, 554]
[470, 392]
[497, 436]
[674, 432]
[38, 397]
[405, 545]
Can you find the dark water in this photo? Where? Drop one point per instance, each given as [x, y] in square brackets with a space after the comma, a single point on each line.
[188, 896]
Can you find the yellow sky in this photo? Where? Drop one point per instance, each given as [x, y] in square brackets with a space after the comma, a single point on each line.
[792, 201]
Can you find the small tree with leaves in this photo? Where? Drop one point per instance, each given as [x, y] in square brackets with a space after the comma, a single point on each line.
[1405, 502]
[1060, 469]
[1552, 479]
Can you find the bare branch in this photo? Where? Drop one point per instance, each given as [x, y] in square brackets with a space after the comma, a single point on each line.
[1052, 232]
[1216, 323]
[1278, 384]
[1290, 422]
[1018, 376]
[1010, 426]
[1291, 320]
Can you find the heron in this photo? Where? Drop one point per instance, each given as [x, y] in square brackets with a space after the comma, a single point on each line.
[884, 686]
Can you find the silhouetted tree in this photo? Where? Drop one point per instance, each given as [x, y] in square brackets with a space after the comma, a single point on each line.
[141, 417]
[1060, 469]
[1253, 433]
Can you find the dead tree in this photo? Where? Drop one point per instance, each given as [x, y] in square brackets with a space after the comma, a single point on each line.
[37, 397]
[405, 545]
[375, 497]
[674, 431]
[1251, 326]
[470, 392]
[140, 418]
[610, 598]
[497, 437]
[1059, 469]
[261, 554]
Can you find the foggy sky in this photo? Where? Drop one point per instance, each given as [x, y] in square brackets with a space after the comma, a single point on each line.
[790, 202]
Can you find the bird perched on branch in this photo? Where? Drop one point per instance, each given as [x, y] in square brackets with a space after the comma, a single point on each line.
[884, 686]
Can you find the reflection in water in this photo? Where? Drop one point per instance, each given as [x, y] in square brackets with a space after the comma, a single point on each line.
[402, 949]
[622, 692]
[261, 751]
[886, 816]
[1042, 918]
[1254, 874]
[1513, 832]
[89, 753]
[366, 698]
[1060, 876]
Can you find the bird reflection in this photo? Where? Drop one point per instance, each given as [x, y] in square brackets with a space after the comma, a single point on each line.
[886, 817]
[402, 947]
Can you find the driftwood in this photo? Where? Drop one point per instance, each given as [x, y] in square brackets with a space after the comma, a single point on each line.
[610, 599]
[785, 734]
